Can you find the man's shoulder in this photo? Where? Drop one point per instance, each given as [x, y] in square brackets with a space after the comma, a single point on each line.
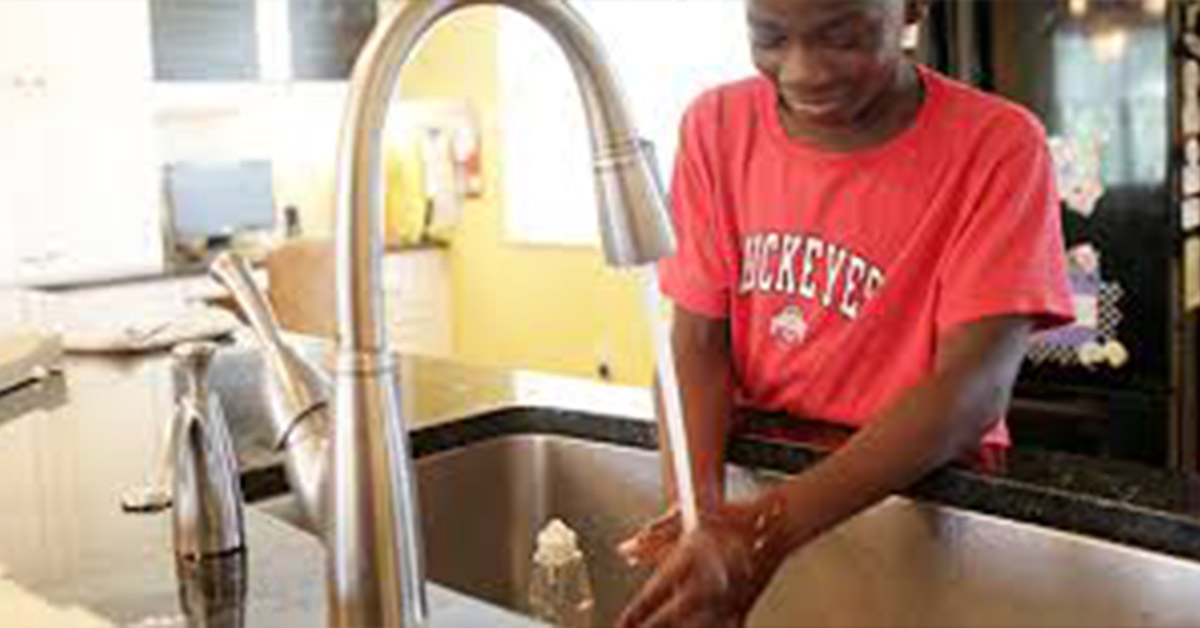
[986, 116]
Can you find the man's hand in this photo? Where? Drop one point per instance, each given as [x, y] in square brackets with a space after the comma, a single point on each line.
[654, 541]
[709, 577]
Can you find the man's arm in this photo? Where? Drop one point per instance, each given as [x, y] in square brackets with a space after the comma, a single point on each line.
[704, 366]
[716, 573]
[943, 417]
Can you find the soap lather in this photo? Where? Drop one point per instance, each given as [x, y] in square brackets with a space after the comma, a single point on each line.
[560, 591]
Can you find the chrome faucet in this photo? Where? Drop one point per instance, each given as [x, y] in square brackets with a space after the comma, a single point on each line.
[376, 576]
[208, 514]
[375, 573]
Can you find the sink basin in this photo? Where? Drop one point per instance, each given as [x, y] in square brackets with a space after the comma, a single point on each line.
[488, 489]
[901, 563]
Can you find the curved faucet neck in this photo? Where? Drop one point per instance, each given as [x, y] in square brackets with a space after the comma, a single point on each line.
[376, 575]
[360, 186]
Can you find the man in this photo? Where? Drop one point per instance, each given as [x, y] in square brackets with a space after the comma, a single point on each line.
[862, 241]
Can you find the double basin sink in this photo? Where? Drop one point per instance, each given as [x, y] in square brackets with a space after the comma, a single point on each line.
[485, 493]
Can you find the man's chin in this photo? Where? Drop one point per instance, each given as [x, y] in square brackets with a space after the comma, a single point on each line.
[830, 117]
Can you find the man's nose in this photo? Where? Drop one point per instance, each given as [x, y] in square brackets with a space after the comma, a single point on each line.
[805, 70]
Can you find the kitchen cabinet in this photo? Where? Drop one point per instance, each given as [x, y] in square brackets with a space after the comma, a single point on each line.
[101, 207]
[417, 302]
[415, 294]
[22, 38]
[21, 89]
[327, 35]
[258, 40]
[204, 40]
[78, 168]
[20, 126]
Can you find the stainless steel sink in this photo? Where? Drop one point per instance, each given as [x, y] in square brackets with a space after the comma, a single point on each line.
[901, 563]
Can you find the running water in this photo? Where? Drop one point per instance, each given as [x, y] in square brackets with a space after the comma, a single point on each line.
[672, 402]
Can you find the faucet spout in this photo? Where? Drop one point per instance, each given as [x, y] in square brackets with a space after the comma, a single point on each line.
[375, 570]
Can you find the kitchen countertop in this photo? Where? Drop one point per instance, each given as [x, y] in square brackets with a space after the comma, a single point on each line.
[182, 270]
[1153, 509]
[69, 447]
[1150, 508]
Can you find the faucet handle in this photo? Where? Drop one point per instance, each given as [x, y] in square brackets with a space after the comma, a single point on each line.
[299, 391]
[208, 506]
[192, 362]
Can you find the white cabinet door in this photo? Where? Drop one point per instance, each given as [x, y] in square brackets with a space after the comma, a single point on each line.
[22, 38]
[23, 159]
[82, 182]
[101, 45]
[24, 162]
[12, 188]
[103, 217]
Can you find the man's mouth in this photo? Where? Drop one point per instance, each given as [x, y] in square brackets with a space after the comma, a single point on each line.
[813, 106]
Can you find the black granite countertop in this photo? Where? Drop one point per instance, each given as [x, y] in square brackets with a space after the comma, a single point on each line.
[455, 405]
[71, 445]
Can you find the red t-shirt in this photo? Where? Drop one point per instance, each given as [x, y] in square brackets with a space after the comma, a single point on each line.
[838, 272]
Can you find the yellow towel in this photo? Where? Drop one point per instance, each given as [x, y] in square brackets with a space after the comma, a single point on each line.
[405, 203]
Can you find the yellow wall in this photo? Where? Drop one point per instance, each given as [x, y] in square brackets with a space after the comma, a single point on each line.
[543, 308]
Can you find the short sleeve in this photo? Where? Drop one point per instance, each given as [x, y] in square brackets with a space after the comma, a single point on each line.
[697, 276]
[1008, 257]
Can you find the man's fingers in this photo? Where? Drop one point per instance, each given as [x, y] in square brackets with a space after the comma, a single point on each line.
[637, 552]
[651, 554]
[664, 527]
[655, 593]
[648, 545]
[678, 611]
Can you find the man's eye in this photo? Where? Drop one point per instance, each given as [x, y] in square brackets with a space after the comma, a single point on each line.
[842, 37]
[767, 40]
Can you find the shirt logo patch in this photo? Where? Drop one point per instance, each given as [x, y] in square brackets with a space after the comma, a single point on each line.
[788, 326]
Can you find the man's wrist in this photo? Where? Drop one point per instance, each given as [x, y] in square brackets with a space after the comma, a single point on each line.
[769, 546]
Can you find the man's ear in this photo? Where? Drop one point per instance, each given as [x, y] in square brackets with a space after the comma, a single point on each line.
[915, 10]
